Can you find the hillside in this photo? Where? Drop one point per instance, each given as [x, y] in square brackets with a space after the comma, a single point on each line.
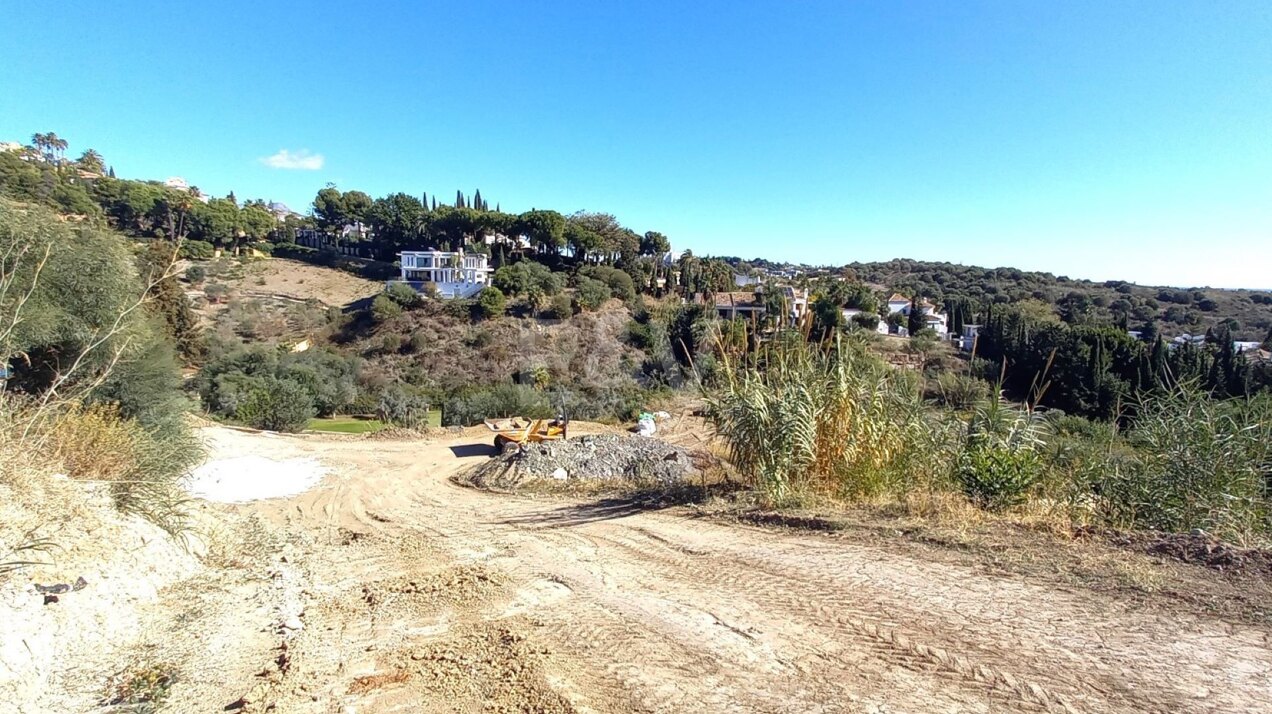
[1173, 310]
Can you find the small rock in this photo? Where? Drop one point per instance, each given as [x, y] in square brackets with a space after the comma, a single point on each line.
[293, 623]
[560, 474]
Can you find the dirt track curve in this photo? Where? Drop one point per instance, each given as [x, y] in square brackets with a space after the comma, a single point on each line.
[420, 595]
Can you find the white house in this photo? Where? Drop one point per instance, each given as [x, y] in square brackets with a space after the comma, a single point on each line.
[967, 340]
[898, 303]
[881, 325]
[454, 275]
[747, 281]
[932, 316]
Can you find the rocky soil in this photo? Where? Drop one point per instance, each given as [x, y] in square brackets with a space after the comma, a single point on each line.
[616, 459]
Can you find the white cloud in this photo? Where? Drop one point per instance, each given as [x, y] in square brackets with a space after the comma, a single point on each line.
[302, 160]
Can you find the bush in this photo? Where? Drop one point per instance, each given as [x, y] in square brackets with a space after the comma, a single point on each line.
[528, 279]
[618, 281]
[403, 295]
[216, 292]
[639, 335]
[195, 274]
[384, 308]
[562, 307]
[197, 250]
[504, 400]
[278, 405]
[958, 391]
[1196, 463]
[591, 294]
[999, 462]
[400, 407]
[491, 302]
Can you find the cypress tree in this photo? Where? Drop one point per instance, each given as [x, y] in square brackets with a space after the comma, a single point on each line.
[459, 199]
[435, 203]
[111, 173]
[477, 201]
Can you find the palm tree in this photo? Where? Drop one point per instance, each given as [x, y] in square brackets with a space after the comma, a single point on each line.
[90, 160]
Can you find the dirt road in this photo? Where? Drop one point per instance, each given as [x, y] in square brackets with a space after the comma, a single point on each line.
[414, 594]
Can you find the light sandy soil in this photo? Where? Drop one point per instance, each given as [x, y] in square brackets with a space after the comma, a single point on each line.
[302, 281]
[391, 589]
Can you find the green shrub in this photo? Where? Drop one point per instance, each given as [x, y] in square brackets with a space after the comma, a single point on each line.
[1000, 462]
[195, 274]
[390, 343]
[491, 302]
[503, 400]
[403, 295]
[197, 250]
[562, 307]
[384, 308]
[591, 294]
[618, 281]
[1196, 463]
[639, 335]
[401, 407]
[278, 405]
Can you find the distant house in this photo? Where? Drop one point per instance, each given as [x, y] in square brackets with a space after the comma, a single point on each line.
[729, 306]
[452, 275]
[898, 303]
[881, 326]
[931, 315]
[967, 340]
[178, 183]
[796, 301]
[1243, 346]
[747, 281]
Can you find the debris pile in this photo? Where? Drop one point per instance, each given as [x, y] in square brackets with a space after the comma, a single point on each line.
[618, 458]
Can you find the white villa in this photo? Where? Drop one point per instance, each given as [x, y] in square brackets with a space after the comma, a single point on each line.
[850, 312]
[454, 275]
[932, 316]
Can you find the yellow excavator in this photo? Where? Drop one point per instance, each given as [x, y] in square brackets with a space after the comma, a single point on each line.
[522, 431]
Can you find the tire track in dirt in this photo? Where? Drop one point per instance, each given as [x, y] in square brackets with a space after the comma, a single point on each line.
[614, 609]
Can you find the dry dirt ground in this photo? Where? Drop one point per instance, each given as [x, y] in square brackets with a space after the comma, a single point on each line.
[388, 588]
[302, 281]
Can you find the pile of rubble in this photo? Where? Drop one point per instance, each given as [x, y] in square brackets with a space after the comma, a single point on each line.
[617, 458]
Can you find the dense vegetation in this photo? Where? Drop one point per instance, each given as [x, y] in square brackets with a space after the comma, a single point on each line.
[807, 420]
[94, 384]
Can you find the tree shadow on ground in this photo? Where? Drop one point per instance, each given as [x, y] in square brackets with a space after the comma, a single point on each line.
[615, 507]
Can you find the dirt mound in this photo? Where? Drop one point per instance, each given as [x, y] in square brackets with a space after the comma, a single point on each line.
[621, 459]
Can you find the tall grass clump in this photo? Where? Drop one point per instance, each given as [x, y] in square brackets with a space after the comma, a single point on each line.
[804, 418]
[1195, 463]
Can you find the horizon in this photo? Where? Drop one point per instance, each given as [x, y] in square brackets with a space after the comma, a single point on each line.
[1098, 143]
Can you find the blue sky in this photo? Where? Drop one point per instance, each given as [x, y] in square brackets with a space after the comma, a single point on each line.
[1102, 140]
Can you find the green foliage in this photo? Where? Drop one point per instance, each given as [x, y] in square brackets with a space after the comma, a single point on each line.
[562, 307]
[807, 416]
[192, 249]
[403, 295]
[999, 461]
[277, 405]
[1196, 463]
[403, 407]
[491, 301]
[958, 391]
[228, 381]
[499, 401]
[384, 308]
[591, 294]
[528, 279]
[620, 284]
[195, 274]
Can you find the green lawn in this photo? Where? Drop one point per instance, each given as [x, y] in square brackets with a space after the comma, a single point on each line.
[357, 425]
[346, 425]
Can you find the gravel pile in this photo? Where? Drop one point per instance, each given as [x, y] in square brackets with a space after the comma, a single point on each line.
[613, 458]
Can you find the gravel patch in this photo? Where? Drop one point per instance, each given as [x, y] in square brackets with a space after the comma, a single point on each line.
[614, 458]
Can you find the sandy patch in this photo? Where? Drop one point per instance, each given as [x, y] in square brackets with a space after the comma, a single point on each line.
[240, 479]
